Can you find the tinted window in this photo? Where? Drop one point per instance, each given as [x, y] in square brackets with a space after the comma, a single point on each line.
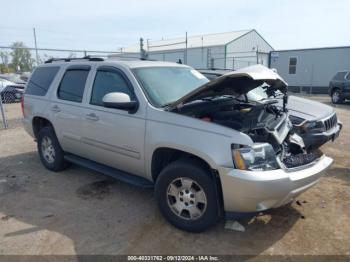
[107, 82]
[41, 80]
[340, 76]
[72, 85]
[292, 65]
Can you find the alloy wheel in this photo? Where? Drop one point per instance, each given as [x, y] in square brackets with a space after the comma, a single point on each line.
[335, 97]
[186, 198]
[47, 149]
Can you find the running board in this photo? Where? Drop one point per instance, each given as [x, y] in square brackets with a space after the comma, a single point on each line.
[110, 171]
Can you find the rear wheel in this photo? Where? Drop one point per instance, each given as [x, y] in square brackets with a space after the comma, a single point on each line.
[187, 197]
[50, 151]
[336, 97]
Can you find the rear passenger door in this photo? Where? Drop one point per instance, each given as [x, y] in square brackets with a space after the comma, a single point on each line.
[112, 136]
[66, 107]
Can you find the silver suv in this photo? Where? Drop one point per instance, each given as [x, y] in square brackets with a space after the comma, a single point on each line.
[205, 149]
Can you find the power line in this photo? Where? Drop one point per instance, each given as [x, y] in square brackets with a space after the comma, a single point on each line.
[62, 50]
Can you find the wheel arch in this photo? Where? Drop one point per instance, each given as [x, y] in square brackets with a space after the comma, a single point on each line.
[162, 156]
[38, 123]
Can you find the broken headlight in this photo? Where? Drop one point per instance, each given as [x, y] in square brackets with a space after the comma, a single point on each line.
[259, 156]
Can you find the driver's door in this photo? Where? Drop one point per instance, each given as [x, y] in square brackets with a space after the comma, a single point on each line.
[112, 136]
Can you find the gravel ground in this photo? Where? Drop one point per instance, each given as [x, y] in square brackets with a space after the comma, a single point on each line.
[82, 212]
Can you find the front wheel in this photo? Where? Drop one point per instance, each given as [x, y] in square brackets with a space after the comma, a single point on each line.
[186, 195]
[336, 97]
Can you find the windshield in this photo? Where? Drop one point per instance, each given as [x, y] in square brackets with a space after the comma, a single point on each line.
[164, 85]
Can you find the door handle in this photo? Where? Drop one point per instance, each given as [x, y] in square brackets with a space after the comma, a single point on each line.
[92, 116]
[55, 108]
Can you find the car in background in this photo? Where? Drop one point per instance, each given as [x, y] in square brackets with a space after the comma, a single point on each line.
[315, 122]
[25, 76]
[15, 78]
[339, 87]
[10, 92]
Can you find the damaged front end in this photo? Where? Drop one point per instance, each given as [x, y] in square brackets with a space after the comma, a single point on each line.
[224, 101]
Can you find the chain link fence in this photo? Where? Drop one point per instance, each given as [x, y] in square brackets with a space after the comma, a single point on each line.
[10, 112]
[235, 60]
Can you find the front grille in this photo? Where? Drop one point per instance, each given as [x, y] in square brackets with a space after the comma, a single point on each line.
[331, 122]
[300, 159]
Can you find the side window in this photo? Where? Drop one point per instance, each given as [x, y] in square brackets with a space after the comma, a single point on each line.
[292, 65]
[41, 80]
[72, 85]
[340, 76]
[107, 81]
[348, 76]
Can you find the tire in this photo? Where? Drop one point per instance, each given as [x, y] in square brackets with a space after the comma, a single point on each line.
[48, 143]
[336, 97]
[200, 212]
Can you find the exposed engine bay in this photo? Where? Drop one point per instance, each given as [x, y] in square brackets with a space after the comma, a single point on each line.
[263, 121]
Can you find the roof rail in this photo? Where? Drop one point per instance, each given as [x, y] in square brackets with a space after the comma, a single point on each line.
[69, 59]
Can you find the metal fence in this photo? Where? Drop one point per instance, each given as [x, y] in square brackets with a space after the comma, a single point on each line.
[10, 112]
[235, 60]
[35, 56]
[3, 122]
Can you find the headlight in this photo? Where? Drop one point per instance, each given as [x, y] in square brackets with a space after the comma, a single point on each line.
[259, 156]
[312, 126]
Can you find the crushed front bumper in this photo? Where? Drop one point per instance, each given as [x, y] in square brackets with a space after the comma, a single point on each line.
[250, 191]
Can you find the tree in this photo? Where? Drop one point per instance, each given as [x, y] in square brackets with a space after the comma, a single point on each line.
[21, 57]
[4, 56]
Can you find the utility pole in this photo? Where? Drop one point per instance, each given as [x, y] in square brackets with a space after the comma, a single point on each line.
[257, 54]
[186, 51]
[36, 48]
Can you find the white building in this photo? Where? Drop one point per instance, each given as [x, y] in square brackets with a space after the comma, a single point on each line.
[311, 69]
[231, 50]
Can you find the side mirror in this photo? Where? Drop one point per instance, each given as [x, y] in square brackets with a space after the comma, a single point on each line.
[120, 101]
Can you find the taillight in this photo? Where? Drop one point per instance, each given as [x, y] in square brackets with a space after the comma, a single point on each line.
[22, 105]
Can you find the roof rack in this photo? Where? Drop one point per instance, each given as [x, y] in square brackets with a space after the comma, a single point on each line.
[69, 59]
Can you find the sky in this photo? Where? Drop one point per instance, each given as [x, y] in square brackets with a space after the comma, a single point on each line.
[111, 24]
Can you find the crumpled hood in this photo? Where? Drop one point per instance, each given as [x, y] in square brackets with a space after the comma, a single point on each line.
[235, 83]
[308, 109]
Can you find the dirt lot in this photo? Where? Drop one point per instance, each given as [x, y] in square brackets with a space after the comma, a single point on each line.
[82, 212]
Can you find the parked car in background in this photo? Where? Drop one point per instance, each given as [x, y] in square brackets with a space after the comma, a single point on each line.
[10, 92]
[25, 76]
[315, 122]
[339, 87]
[164, 125]
[15, 78]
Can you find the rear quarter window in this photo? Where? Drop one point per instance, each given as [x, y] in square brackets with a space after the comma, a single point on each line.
[72, 85]
[40, 81]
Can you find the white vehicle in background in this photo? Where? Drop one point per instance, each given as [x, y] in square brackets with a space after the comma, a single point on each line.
[10, 92]
[315, 122]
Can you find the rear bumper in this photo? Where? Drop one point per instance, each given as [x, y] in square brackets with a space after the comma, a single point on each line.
[251, 191]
